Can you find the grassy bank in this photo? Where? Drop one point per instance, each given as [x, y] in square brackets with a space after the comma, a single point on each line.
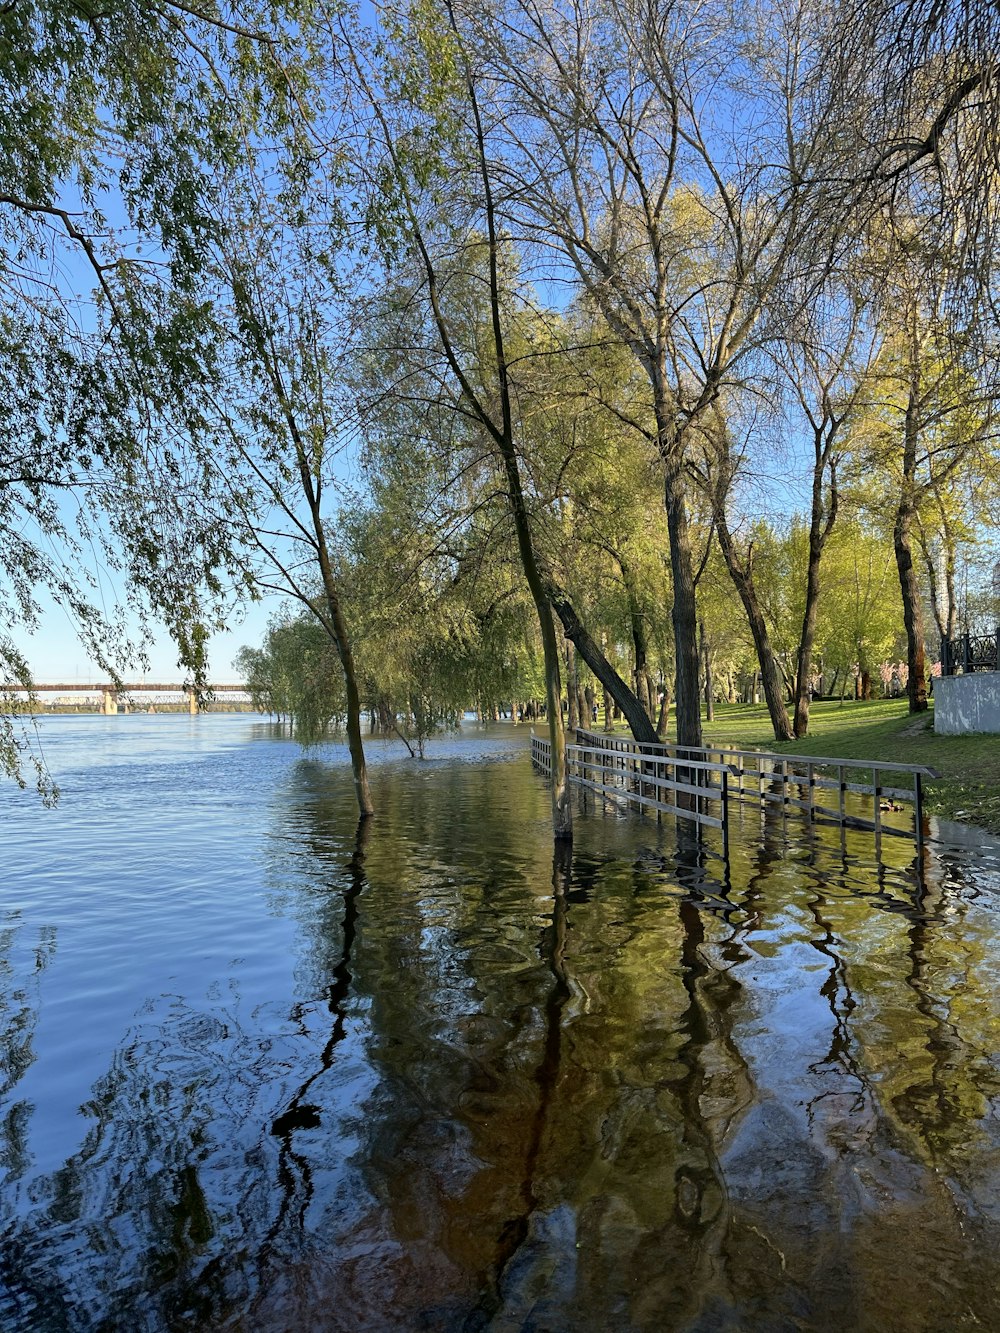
[969, 786]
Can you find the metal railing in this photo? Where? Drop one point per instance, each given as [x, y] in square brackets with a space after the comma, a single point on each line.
[700, 783]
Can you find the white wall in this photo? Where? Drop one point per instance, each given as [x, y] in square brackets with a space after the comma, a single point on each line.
[967, 703]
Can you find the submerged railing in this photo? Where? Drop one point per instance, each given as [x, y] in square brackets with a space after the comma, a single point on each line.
[701, 783]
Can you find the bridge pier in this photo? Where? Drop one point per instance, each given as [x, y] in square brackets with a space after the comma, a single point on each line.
[109, 703]
[192, 700]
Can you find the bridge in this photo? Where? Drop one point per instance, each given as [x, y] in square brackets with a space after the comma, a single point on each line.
[114, 699]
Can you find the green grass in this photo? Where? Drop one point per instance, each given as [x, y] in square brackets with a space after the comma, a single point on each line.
[969, 786]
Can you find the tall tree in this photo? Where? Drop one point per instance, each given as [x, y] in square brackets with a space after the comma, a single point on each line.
[436, 62]
[679, 224]
[286, 420]
[930, 414]
[825, 361]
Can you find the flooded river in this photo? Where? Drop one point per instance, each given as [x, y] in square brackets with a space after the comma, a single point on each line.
[259, 1072]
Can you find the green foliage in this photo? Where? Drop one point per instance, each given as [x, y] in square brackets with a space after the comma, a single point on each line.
[117, 124]
[194, 328]
[440, 628]
[295, 674]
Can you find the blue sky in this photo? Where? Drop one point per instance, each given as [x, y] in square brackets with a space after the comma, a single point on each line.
[55, 653]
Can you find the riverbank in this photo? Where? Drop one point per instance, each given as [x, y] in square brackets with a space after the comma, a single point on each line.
[969, 786]
[64, 709]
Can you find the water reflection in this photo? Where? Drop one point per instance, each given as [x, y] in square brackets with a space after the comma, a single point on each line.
[21, 968]
[632, 1085]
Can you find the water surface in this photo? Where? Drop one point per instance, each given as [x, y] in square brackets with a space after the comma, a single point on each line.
[260, 1072]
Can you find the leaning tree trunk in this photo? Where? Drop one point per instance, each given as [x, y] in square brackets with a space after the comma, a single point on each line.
[632, 710]
[770, 673]
[562, 809]
[502, 434]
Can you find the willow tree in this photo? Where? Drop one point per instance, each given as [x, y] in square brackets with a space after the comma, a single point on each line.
[611, 542]
[424, 94]
[440, 612]
[486, 394]
[284, 415]
[860, 611]
[116, 122]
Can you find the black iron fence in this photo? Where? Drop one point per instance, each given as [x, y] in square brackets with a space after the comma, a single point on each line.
[970, 652]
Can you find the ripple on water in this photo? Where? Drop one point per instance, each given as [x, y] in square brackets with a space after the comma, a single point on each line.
[261, 1070]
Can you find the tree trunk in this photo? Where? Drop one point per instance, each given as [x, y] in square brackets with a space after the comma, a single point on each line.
[562, 809]
[820, 525]
[916, 684]
[807, 638]
[687, 702]
[355, 745]
[902, 540]
[582, 711]
[332, 619]
[572, 709]
[502, 434]
[634, 713]
[770, 673]
[706, 657]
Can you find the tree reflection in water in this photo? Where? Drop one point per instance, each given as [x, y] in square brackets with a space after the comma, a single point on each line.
[294, 1171]
[633, 1085]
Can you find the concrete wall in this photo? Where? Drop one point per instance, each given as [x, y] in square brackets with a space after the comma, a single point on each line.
[967, 703]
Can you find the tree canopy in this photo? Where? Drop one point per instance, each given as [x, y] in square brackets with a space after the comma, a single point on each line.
[633, 325]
